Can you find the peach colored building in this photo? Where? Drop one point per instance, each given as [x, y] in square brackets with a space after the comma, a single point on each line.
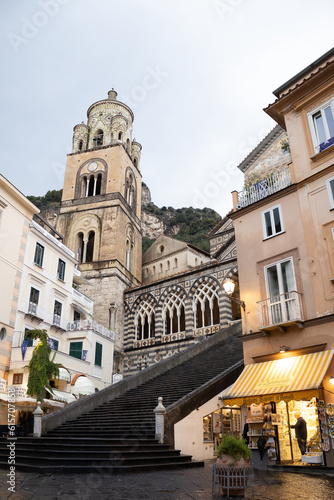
[284, 226]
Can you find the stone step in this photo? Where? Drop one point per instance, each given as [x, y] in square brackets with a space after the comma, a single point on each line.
[103, 468]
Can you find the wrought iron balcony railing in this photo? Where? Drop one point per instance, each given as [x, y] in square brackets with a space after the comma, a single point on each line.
[280, 310]
[275, 182]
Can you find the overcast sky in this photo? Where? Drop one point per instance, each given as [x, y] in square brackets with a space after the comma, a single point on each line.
[196, 73]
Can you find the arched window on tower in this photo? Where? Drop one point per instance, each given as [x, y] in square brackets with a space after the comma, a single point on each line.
[145, 321]
[91, 185]
[205, 305]
[120, 135]
[80, 145]
[98, 184]
[79, 247]
[128, 145]
[135, 162]
[130, 189]
[129, 246]
[84, 187]
[90, 247]
[173, 314]
[98, 139]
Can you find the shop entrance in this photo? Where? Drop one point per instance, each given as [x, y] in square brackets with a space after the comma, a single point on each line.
[288, 445]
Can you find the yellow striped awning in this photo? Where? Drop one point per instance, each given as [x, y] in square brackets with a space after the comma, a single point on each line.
[296, 377]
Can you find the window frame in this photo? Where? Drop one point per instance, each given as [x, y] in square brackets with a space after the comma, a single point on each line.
[280, 282]
[58, 306]
[17, 379]
[330, 191]
[98, 354]
[313, 128]
[72, 344]
[264, 226]
[55, 343]
[61, 269]
[39, 254]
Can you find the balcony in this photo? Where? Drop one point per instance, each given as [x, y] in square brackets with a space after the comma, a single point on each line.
[280, 311]
[35, 312]
[270, 185]
[90, 325]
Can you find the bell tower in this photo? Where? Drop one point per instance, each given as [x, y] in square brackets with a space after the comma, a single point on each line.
[101, 208]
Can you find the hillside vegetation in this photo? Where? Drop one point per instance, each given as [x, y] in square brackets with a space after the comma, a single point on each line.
[187, 224]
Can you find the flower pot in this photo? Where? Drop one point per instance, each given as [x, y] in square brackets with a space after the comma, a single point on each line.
[231, 478]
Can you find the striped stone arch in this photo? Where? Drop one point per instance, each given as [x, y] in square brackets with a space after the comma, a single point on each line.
[144, 317]
[209, 304]
[173, 304]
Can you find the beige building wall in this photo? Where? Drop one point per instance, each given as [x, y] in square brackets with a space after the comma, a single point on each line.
[168, 256]
[16, 212]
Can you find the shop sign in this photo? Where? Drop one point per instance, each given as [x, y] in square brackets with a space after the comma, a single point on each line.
[276, 382]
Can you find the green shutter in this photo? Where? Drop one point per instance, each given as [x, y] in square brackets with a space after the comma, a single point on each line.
[76, 349]
[98, 354]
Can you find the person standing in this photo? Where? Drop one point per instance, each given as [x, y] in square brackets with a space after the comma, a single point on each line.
[301, 432]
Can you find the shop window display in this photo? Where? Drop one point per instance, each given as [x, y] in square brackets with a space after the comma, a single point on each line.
[220, 422]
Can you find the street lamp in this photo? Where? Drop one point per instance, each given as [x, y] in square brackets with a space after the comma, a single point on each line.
[229, 286]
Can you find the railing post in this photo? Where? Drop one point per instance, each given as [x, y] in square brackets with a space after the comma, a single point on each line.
[160, 412]
[38, 413]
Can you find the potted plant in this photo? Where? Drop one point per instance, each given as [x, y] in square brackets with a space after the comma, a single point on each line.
[233, 466]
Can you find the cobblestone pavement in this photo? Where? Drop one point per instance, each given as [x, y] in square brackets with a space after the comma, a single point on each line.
[182, 484]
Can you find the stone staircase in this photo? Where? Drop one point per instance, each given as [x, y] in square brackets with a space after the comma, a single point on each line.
[119, 435]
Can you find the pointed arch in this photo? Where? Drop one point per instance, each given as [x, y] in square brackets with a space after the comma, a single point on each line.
[98, 138]
[129, 247]
[144, 318]
[173, 313]
[205, 303]
[130, 193]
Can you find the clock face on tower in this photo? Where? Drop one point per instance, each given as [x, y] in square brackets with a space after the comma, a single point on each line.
[92, 166]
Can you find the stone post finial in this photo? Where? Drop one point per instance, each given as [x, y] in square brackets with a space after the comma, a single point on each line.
[160, 412]
[38, 413]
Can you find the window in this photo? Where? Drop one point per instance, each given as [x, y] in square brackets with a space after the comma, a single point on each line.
[61, 270]
[33, 300]
[281, 291]
[17, 378]
[2, 334]
[98, 139]
[272, 222]
[98, 354]
[80, 145]
[90, 247]
[54, 344]
[76, 316]
[57, 313]
[173, 314]
[76, 349]
[145, 321]
[39, 254]
[330, 189]
[321, 123]
[28, 341]
[205, 305]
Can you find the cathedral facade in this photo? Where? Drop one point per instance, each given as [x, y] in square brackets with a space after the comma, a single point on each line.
[159, 305]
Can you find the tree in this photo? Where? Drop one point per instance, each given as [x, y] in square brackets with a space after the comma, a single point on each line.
[41, 367]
